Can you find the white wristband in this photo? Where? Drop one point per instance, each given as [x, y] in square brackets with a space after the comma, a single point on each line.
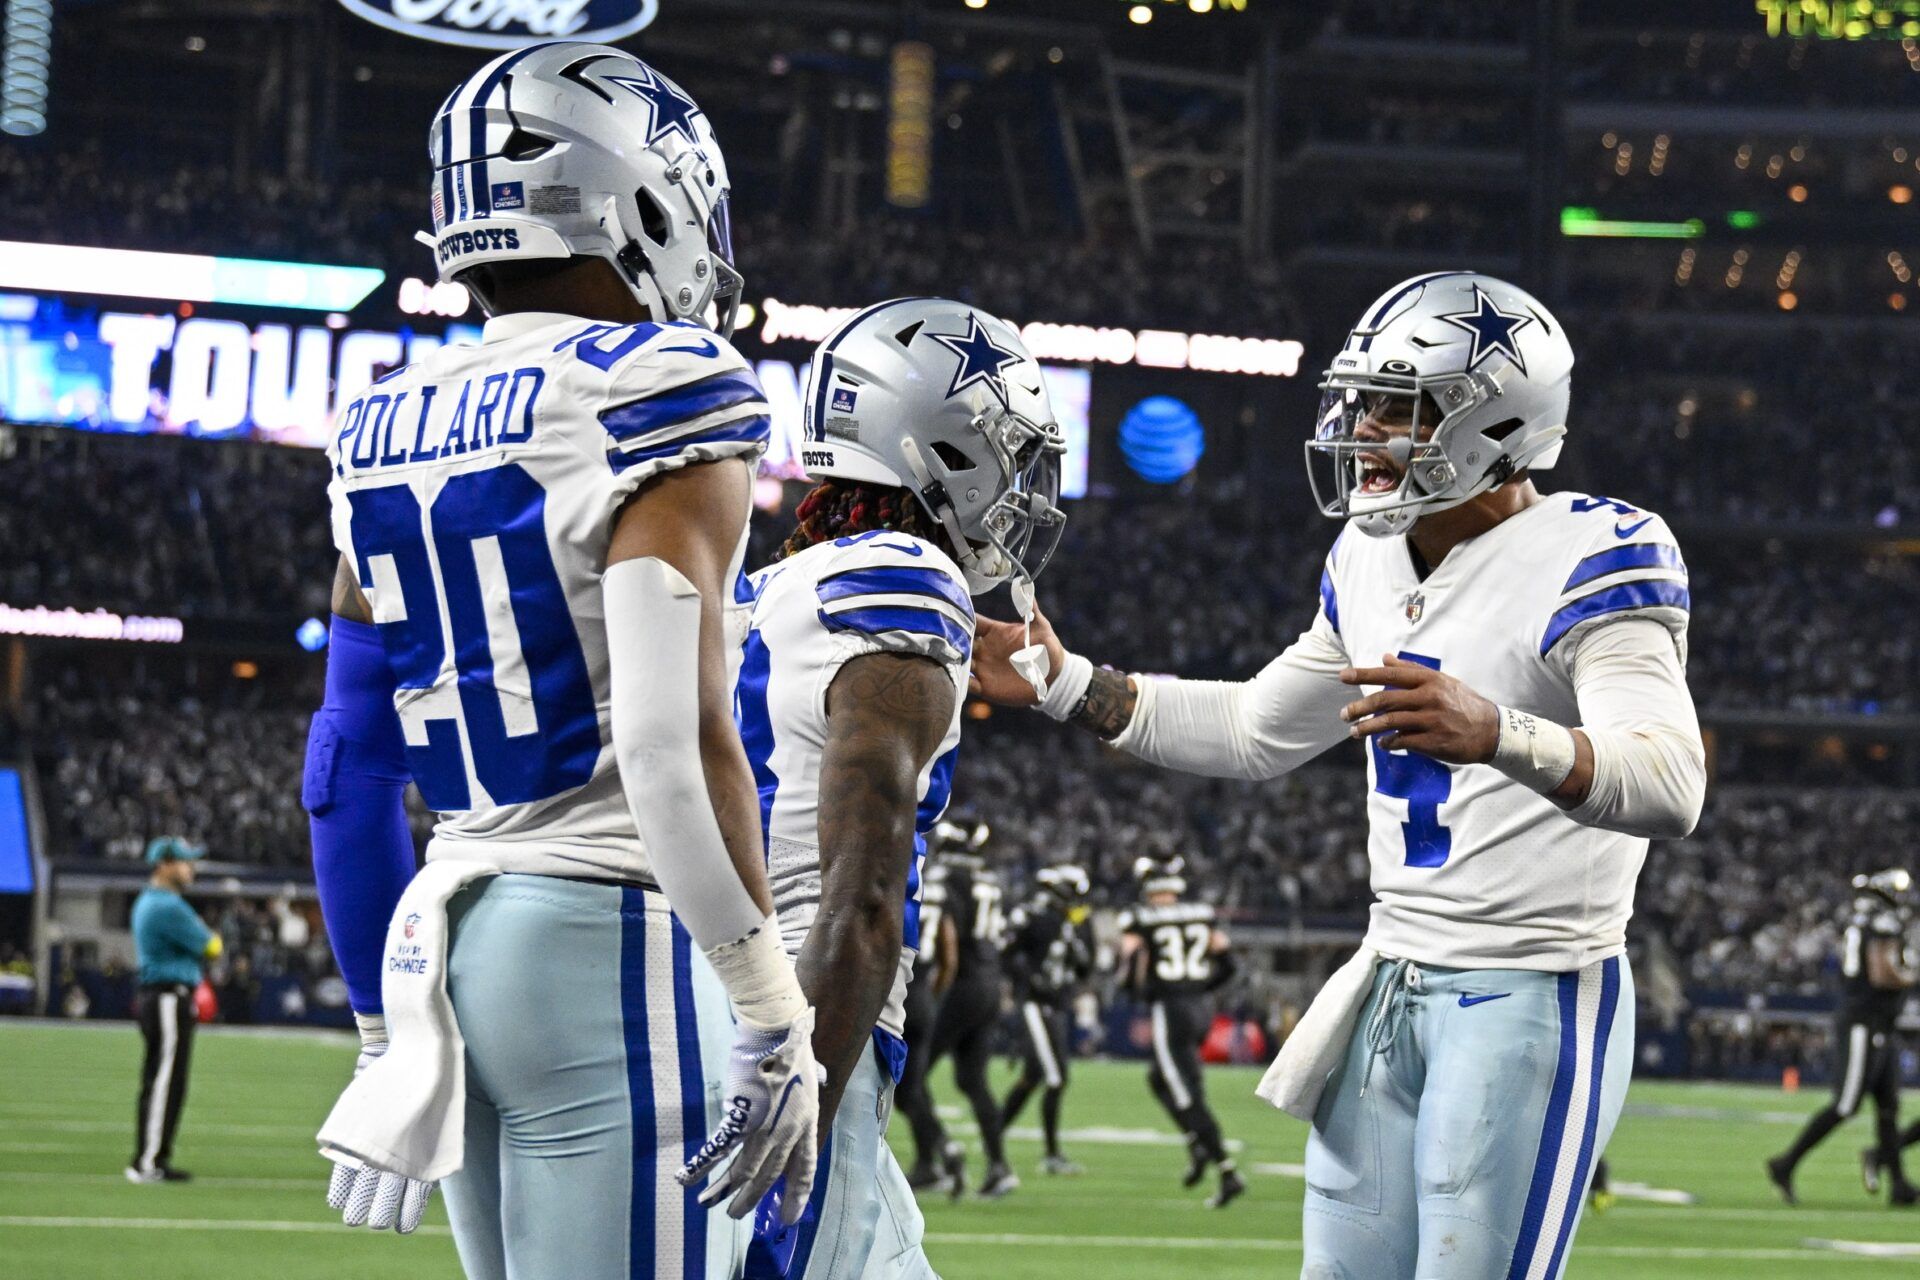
[372, 1028]
[1534, 752]
[759, 978]
[1068, 688]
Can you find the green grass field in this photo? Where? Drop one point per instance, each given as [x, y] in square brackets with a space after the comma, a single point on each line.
[255, 1210]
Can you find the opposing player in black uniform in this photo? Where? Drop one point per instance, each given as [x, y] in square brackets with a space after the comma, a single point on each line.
[934, 967]
[971, 1007]
[1172, 956]
[1877, 969]
[1047, 955]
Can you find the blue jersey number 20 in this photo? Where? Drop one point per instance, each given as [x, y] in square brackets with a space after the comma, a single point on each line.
[1423, 783]
[487, 532]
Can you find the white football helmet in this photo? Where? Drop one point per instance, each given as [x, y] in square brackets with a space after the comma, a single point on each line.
[944, 400]
[1480, 369]
[563, 149]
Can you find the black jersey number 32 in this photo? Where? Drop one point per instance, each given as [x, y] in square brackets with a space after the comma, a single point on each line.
[1183, 952]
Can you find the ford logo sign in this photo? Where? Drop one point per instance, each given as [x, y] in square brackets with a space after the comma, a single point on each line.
[508, 24]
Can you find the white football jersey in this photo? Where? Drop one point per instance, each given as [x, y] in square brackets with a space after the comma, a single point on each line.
[475, 494]
[1471, 869]
[808, 616]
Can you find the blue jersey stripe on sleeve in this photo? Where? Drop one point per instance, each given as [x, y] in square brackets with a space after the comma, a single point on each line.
[758, 428]
[1637, 555]
[880, 619]
[892, 580]
[682, 404]
[1329, 601]
[1645, 594]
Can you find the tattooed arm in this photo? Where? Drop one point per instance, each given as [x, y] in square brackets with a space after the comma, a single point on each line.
[886, 716]
[1258, 728]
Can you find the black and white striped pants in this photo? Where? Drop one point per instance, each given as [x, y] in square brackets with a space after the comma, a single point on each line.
[165, 1012]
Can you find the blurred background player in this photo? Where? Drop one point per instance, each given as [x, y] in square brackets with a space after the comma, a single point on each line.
[531, 625]
[1877, 969]
[854, 671]
[936, 961]
[1047, 956]
[1172, 957]
[936, 964]
[970, 1011]
[171, 944]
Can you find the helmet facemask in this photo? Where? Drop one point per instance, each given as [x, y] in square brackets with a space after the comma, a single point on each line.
[1016, 535]
[1421, 425]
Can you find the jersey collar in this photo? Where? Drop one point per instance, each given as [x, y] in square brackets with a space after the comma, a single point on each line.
[520, 323]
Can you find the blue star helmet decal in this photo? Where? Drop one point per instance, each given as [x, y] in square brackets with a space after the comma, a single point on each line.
[1492, 330]
[673, 110]
[981, 361]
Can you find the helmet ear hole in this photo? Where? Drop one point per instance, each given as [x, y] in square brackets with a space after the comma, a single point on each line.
[1501, 430]
[522, 146]
[653, 218]
[952, 457]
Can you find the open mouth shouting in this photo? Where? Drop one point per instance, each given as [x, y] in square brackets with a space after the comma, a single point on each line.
[1378, 474]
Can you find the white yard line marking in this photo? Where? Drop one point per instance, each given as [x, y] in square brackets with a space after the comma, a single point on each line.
[318, 1185]
[1020, 1240]
[1868, 1248]
[193, 1224]
[1855, 1250]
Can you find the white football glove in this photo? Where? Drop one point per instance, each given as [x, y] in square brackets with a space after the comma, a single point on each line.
[365, 1196]
[772, 1117]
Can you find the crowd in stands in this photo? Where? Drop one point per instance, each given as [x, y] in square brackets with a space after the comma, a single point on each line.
[126, 754]
[171, 527]
[205, 530]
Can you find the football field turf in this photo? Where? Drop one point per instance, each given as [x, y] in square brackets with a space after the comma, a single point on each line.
[255, 1210]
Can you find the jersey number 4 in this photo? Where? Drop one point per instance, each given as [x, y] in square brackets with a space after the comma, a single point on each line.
[525, 698]
[1424, 783]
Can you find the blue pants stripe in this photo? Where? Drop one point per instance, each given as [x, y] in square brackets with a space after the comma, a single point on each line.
[1603, 1024]
[633, 1018]
[1552, 1130]
[693, 1094]
[816, 1211]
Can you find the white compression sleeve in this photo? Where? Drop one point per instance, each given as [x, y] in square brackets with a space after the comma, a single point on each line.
[1649, 766]
[1259, 728]
[653, 651]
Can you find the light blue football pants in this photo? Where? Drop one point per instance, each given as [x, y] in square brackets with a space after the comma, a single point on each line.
[596, 1045]
[865, 1224]
[1457, 1139]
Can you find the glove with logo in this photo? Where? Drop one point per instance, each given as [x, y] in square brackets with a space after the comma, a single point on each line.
[772, 1118]
[369, 1197]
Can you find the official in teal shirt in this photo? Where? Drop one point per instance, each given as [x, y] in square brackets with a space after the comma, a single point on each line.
[172, 944]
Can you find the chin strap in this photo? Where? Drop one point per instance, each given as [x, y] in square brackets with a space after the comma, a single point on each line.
[1031, 661]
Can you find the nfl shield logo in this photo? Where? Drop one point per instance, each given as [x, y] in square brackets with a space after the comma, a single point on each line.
[843, 400]
[508, 195]
[411, 920]
[1416, 605]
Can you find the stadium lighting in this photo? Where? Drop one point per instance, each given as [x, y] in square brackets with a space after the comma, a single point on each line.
[1743, 219]
[184, 277]
[1140, 15]
[976, 4]
[1579, 221]
[25, 56]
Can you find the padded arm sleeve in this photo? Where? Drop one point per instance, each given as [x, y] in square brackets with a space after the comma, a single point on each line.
[354, 790]
[1259, 728]
[653, 637]
[1649, 765]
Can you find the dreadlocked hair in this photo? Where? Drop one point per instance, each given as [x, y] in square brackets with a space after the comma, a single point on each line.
[842, 508]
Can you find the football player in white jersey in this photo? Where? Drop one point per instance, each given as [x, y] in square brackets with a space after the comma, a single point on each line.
[539, 536]
[929, 426]
[1515, 663]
